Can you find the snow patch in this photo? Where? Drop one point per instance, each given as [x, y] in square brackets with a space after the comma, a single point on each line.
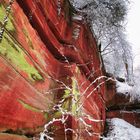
[121, 130]
[123, 88]
[132, 91]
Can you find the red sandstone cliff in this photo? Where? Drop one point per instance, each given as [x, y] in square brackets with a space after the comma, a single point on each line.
[50, 68]
[50, 73]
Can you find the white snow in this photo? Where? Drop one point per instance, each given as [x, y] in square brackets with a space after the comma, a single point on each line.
[133, 30]
[132, 91]
[122, 130]
[123, 88]
[80, 3]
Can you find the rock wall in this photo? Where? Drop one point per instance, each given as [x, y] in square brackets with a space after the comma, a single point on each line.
[50, 73]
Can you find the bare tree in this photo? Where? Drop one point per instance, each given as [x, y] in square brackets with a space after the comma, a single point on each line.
[107, 19]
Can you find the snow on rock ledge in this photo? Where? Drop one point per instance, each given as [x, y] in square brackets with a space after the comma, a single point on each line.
[132, 91]
[121, 130]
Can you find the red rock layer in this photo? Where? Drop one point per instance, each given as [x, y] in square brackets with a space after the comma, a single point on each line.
[65, 68]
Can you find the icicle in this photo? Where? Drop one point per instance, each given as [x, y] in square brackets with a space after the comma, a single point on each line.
[77, 17]
[76, 32]
[30, 16]
[59, 7]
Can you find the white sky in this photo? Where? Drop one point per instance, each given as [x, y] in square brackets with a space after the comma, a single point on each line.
[133, 29]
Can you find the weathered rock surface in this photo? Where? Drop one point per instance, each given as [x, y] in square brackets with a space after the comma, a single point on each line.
[50, 68]
[123, 106]
[12, 137]
[51, 75]
[132, 116]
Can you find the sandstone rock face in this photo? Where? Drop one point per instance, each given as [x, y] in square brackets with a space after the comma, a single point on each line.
[50, 73]
[123, 105]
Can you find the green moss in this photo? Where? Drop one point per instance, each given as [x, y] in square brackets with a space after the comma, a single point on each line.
[77, 70]
[75, 90]
[9, 26]
[16, 56]
[67, 102]
[57, 114]
[2, 12]
[76, 96]
[28, 39]
[27, 106]
[66, 93]
[71, 98]
[46, 115]
[31, 108]
[66, 105]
